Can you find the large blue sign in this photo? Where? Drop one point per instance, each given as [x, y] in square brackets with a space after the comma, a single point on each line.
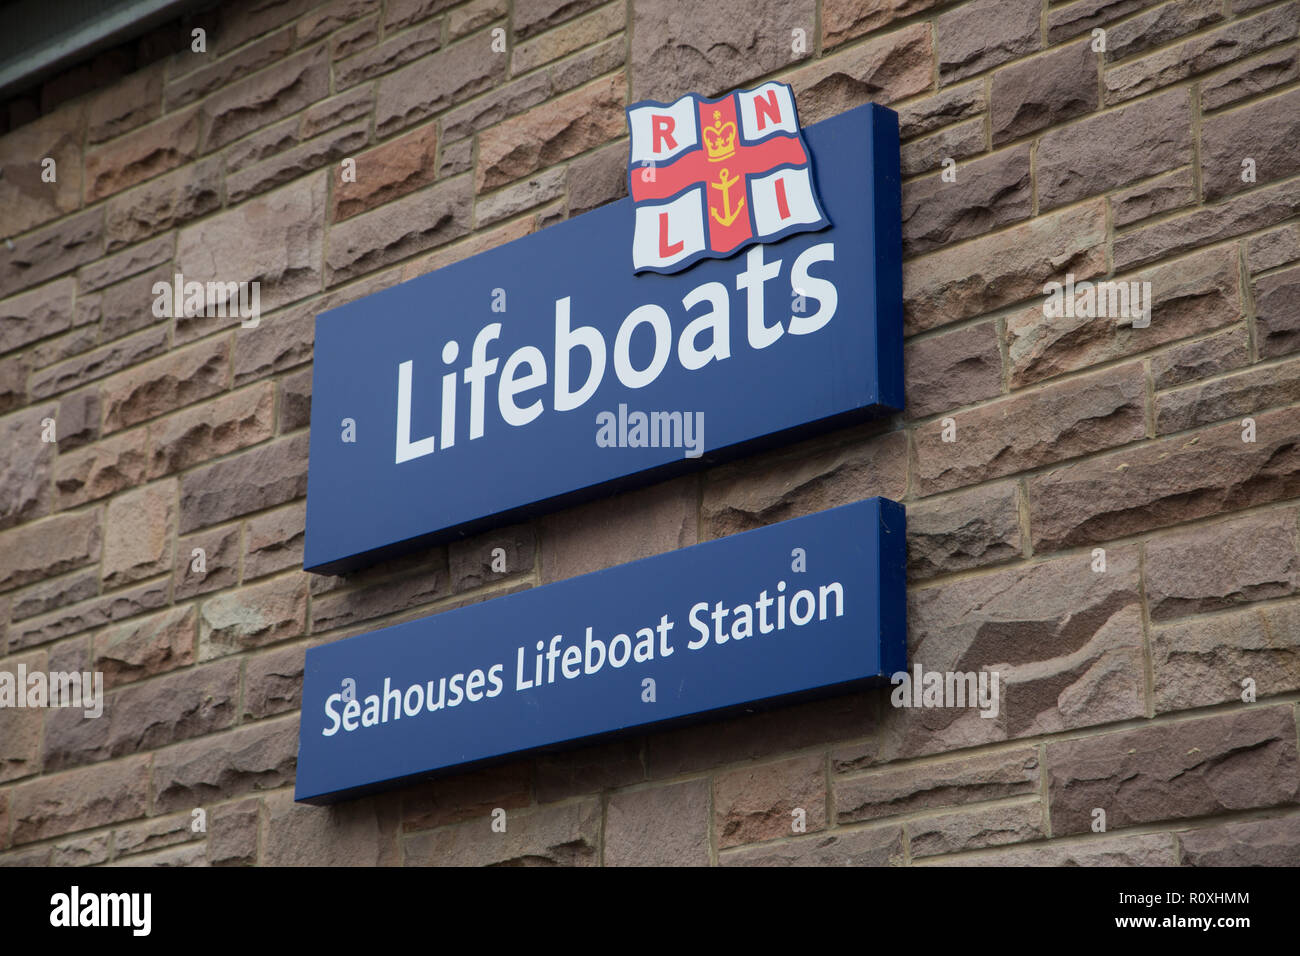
[794, 609]
[546, 371]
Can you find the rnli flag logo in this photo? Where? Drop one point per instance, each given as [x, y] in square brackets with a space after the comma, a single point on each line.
[709, 177]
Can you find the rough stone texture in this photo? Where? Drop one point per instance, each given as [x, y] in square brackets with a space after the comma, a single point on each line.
[1213, 48]
[1065, 640]
[36, 314]
[1062, 421]
[975, 828]
[1201, 358]
[101, 362]
[1261, 131]
[25, 197]
[468, 247]
[78, 419]
[550, 133]
[387, 172]
[138, 530]
[273, 682]
[25, 470]
[1241, 393]
[1223, 564]
[270, 474]
[198, 772]
[717, 48]
[470, 796]
[947, 371]
[991, 192]
[1265, 206]
[757, 803]
[1161, 194]
[1270, 842]
[377, 598]
[570, 38]
[417, 222]
[882, 71]
[1201, 661]
[164, 384]
[1166, 482]
[875, 846]
[949, 105]
[968, 529]
[274, 541]
[254, 616]
[1158, 26]
[1270, 69]
[928, 153]
[588, 770]
[37, 550]
[116, 606]
[617, 530]
[141, 155]
[190, 703]
[843, 20]
[233, 833]
[231, 422]
[1114, 149]
[154, 834]
[79, 799]
[387, 56]
[86, 851]
[20, 728]
[982, 34]
[566, 834]
[159, 204]
[243, 106]
[811, 476]
[429, 85]
[936, 785]
[324, 150]
[992, 271]
[1191, 768]
[1195, 295]
[659, 826]
[1274, 248]
[207, 79]
[275, 240]
[151, 645]
[51, 251]
[470, 561]
[512, 200]
[359, 833]
[1277, 313]
[1144, 850]
[105, 468]
[1043, 91]
[57, 592]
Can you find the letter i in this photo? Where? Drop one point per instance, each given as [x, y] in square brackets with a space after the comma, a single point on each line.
[449, 353]
[538, 681]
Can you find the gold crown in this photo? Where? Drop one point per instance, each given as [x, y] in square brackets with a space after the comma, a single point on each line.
[720, 139]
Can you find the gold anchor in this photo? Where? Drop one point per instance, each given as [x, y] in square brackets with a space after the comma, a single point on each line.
[724, 183]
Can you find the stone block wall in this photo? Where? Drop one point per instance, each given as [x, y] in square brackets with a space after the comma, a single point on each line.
[1122, 689]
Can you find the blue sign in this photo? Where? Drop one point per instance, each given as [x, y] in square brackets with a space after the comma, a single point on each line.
[794, 609]
[547, 371]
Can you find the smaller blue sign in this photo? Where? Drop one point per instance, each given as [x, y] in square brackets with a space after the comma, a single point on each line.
[795, 609]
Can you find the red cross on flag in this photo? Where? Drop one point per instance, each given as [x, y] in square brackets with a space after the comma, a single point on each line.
[709, 177]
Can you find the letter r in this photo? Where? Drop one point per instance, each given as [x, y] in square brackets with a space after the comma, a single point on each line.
[663, 132]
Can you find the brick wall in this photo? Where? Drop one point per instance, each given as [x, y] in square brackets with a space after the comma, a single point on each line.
[1121, 688]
